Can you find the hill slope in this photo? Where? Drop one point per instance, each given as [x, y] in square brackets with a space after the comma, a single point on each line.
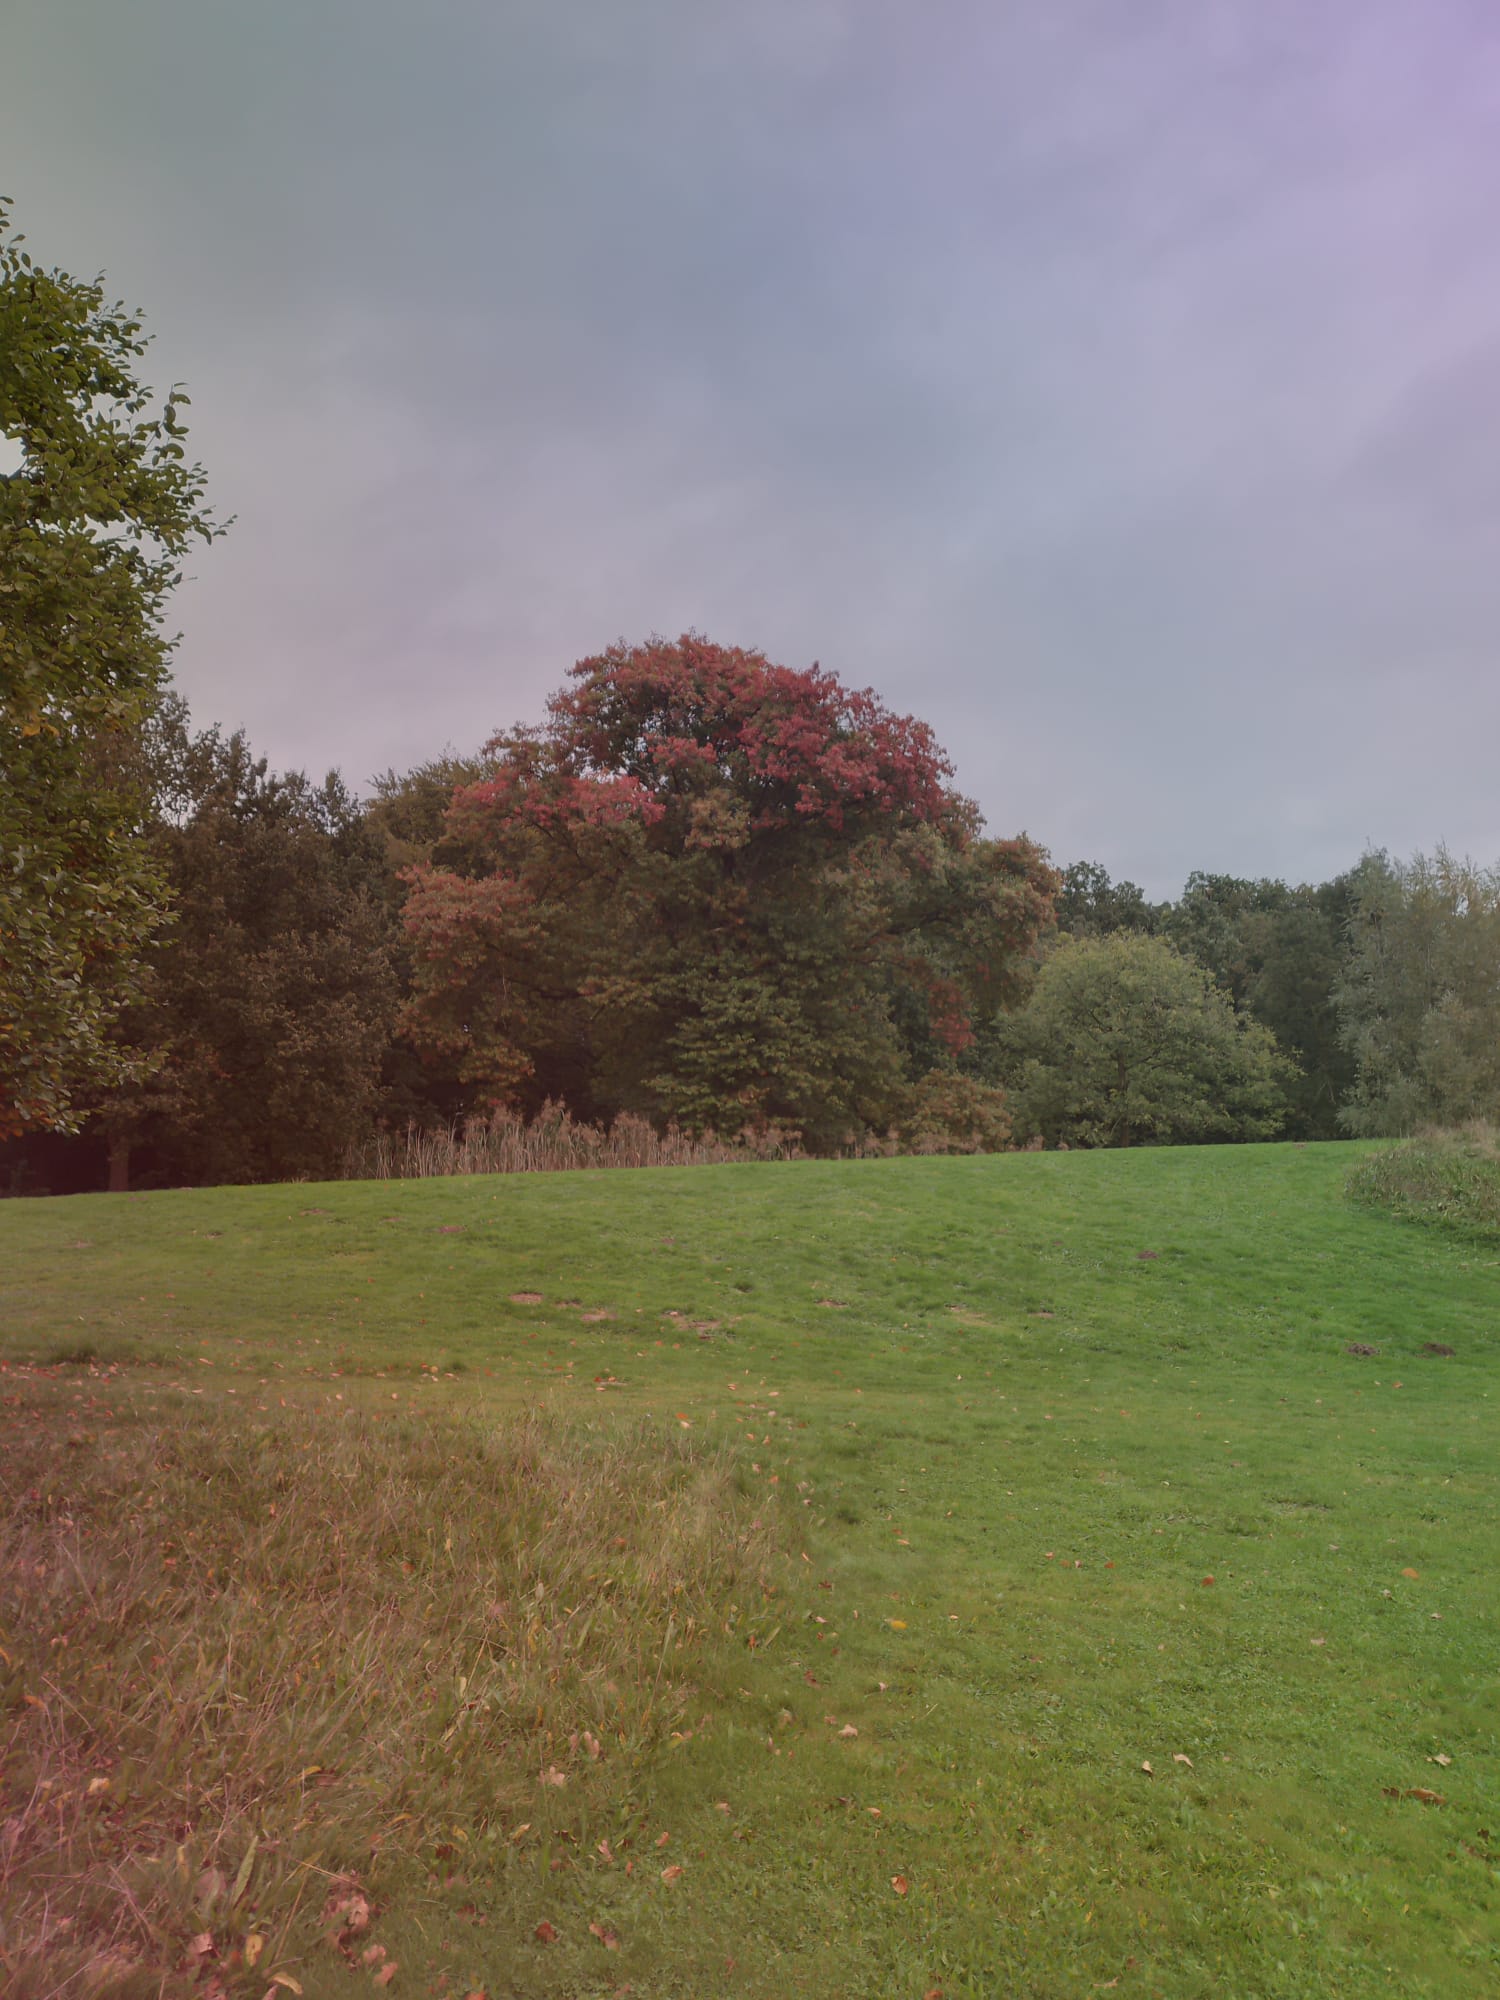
[1033, 1472]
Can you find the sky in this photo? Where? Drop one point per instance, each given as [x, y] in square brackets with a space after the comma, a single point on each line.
[1117, 388]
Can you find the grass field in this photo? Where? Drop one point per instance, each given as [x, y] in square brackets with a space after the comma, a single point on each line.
[988, 1577]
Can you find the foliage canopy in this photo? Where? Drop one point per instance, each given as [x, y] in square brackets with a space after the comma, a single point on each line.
[1419, 994]
[718, 890]
[267, 1007]
[1123, 1040]
[94, 522]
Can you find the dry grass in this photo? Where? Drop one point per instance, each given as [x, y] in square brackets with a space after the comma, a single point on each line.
[1479, 1136]
[553, 1142]
[243, 1661]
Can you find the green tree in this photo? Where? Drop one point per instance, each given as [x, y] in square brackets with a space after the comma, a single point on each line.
[1277, 951]
[1124, 1041]
[1295, 955]
[408, 811]
[267, 1008]
[1214, 920]
[1090, 905]
[1419, 995]
[717, 890]
[94, 522]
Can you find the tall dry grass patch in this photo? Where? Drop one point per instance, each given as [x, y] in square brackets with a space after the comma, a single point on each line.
[247, 1657]
[553, 1142]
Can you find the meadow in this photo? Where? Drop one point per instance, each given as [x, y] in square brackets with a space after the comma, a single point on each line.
[1036, 1575]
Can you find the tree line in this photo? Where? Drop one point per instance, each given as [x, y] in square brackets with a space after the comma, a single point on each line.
[707, 890]
[832, 955]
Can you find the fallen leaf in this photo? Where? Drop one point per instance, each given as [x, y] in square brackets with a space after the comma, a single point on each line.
[213, 1886]
[672, 1871]
[1207, 1581]
[591, 1744]
[1441, 1758]
[254, 1946]
[545, 1933]
[1178, 1758]
[201, 1946]
[386, 1973]
[1414, 1574]
[605, 1936]
[1148, 1770]
[96, 1786]
[1317, 1642]
[896, 1624]
[848, 1730]
[552, 1776]
[285, 1979]
[900, 1884]
[372, 1954]
[607, 1851]
[662, 1839]
[347, 1909]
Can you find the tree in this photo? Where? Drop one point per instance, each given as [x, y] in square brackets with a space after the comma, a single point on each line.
[1090, 905]
[408, 811]
[1277, 952]
[1124, 1041]
[1295, 955]
[267, 1008]
[1419, 997]
[717, 890]
[94, 522]
[1213, 921]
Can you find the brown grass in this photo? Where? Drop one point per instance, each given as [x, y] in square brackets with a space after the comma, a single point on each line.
[553, 1142]
[243, 1660]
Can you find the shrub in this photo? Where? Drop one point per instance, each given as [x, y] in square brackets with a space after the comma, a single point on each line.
[1447, 1177]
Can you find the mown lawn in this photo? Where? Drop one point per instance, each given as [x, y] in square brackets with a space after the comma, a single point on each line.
[992, 1576]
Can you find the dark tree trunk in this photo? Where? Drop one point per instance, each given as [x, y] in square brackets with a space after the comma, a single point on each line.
[119, 1166]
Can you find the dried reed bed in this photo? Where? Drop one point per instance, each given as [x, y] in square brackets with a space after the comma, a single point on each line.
[553, 1142]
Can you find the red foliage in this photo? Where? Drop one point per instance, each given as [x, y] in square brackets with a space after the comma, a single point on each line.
[648, 729]
[714, 889]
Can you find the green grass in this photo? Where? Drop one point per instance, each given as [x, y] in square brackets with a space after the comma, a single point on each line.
[935, 1449]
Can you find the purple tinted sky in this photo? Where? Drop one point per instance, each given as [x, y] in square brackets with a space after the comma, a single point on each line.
[1117, 387]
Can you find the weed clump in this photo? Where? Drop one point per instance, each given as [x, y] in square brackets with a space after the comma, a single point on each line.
[1447, 1178]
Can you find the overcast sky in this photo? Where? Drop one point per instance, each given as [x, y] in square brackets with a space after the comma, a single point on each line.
[1115, 386]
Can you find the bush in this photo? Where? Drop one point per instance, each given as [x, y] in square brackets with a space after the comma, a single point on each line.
[1451, 1178]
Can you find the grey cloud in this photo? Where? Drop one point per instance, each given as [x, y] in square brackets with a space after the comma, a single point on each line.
[1111, 387]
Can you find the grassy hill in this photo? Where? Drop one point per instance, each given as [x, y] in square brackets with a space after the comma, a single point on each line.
[977, 1576]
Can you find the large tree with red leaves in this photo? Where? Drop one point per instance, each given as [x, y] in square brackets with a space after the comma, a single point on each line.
[718, 890]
